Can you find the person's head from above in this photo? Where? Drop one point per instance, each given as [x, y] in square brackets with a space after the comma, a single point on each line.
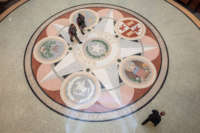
[80, 15]
[162, 113]
[72, 25]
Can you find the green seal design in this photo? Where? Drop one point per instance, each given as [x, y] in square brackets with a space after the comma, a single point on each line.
[97, 49]
[47, 49]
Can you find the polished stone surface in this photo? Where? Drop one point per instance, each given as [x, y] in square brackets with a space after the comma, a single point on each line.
[22, 112]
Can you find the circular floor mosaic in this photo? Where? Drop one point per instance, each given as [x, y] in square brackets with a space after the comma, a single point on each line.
[119, 68]
[96, 48]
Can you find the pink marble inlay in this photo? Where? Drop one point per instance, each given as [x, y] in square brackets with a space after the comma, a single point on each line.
[116, 14]
[51, 30]
[151, 54]
[126, 94]
[51, 85]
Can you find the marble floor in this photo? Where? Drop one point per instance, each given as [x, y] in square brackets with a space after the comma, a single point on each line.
[135, 56]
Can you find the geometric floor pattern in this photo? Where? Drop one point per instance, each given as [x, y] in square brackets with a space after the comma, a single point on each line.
[120, 66]
[108, 84]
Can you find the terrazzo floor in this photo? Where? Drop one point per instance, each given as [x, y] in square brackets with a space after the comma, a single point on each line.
[166, 45]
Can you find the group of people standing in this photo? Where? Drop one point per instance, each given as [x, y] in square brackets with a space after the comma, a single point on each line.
[73, 31]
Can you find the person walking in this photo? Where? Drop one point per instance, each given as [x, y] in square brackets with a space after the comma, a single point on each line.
[154, 117]
[73, 33]
[81, 22]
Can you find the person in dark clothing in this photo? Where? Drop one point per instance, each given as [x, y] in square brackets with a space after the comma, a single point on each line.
[73, 33]
[155, 117]
[81, 22]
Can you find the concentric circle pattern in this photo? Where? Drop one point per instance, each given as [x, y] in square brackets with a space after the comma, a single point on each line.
[50, 50]
[96, 48]
[130, 28]
[137, 71]
[80, 90]
[120, 66]
[91, 17]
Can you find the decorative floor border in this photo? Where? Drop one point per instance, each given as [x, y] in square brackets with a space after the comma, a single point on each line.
[11, 9]
[185, 11]
[192, 17]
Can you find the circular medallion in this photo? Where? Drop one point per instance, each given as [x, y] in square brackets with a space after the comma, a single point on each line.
[98, 51]
[80, 90]
[120, 66]
[137, 72]
[96, 48]
[130, 28]
[91, 17]
[50, 50]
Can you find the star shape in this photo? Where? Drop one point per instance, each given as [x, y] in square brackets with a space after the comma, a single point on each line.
[96, 48]
[108, 76]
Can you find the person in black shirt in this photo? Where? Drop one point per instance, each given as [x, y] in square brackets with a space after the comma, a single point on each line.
[154, 117]
[81, 22]
[73, 33]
